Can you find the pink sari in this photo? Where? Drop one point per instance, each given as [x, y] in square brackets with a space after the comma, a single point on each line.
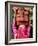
[20, 33]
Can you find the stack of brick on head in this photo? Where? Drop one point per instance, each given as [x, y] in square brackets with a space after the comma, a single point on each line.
[21, 22]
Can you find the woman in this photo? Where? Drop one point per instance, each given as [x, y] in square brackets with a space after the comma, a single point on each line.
[21, 23]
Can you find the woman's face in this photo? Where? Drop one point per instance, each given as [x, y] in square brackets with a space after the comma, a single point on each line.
[22, 17]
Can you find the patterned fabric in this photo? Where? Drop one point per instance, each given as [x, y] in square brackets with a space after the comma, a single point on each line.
[23, 33]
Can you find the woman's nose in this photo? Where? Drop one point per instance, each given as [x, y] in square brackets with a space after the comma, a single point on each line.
[22, 18]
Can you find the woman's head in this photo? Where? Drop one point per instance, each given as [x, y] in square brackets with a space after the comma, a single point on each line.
[22, 15]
